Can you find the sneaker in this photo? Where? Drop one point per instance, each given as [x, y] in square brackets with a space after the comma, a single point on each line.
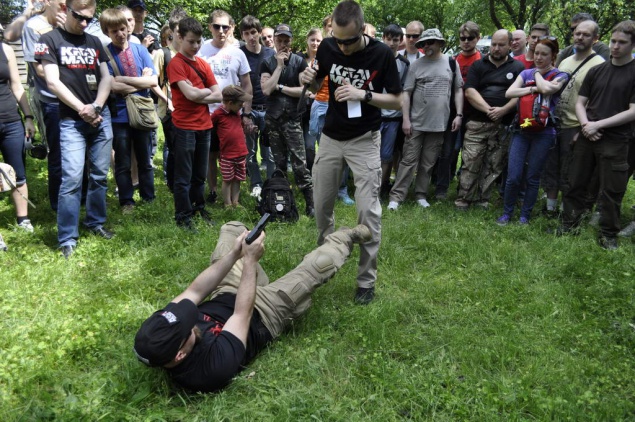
[347, 200]
[256, 191]
[441, 196]
[102, 232]
[187, 225]
[503, 220]
[484, 205]
[523, 220]
[461, 205]
[212, 197]
[594, 221]
[628, 231]
[127, 209]
[364, 296]
[608, 243]
[26, 225]
[392, 205]
[67, 251]
[3, 246]
[423, 203]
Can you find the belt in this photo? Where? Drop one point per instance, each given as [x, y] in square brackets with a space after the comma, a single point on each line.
[258, 107]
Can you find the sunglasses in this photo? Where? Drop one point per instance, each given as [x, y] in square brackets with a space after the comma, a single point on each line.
[548, 37]
[81, 18]
[428, 42]
[413, 35]
[471, 38]
[170, 38]
[347, 41]
[218, 27]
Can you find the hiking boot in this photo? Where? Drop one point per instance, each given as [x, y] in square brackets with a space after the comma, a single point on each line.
[628, 231]
[364, 295]
[461, 205]
[503, 220]
[359, 234]
[608, 243]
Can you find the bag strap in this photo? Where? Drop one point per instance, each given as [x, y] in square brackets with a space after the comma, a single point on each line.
[582, 64]
[200, 75]
[113, 63]
[167, 56]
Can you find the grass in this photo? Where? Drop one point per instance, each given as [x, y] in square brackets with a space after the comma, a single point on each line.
[471, 322]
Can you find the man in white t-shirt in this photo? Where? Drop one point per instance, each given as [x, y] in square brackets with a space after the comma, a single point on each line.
[230, 67]
[413, 32]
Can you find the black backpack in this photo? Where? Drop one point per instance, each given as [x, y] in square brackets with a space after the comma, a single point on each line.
[277, 198]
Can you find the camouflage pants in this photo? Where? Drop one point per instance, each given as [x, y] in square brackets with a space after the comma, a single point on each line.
[286, 140]
[484, 157]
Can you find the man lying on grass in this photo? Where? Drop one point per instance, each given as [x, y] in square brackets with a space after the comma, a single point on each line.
[203, 345]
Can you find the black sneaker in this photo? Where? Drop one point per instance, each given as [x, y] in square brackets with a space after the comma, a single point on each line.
[102, 232]
[364, 295]
[187, 225]
[67, 251]
[212, 197]
[608, 243]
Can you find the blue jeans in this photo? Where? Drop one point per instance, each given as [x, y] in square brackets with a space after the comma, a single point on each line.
[389, 130]
[532, 148]
[78, 141]
[191, 152]
[51, 114]
[125, 139]
[316, 123]
[12, 148]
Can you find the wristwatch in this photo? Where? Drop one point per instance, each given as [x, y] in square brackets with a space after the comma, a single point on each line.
[280, 86]
[97, 108]
[368, 97]
[459, 115]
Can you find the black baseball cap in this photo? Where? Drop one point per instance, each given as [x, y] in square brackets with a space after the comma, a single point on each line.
[283, 29]
[160, 337]
[137, 3]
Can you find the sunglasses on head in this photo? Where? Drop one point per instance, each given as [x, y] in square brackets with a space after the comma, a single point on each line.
[218, 27]
[347, 41]
[548, 37]
[413, 35]
[470, 38]
[81, 18]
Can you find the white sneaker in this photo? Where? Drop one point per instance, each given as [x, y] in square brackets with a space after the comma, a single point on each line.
[423, 203]
[256, 191]
[392, 205]
[628, 231]
[26, 225]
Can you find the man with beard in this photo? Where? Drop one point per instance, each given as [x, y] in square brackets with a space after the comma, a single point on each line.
[486, 138]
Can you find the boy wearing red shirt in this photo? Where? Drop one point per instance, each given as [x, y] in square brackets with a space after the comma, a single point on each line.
[233, 146]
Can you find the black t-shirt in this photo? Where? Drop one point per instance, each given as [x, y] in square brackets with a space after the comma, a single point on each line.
[492, 82]
[374, 68]
[219, 355]
[610, 90]
[78, 58]
[8, 104]
[254, 64]
[279, 103]
[155, 45]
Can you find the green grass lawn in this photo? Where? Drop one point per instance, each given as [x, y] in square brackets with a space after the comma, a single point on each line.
[471, 322]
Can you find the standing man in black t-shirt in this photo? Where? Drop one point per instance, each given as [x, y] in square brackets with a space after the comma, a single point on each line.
[203, 345]
[606, 111]
[76, 71]
[140, 12]
[363, 78]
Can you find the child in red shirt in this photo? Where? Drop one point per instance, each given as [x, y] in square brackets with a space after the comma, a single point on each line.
[233, 146]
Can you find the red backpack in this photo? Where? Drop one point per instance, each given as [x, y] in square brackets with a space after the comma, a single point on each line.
[533, 109]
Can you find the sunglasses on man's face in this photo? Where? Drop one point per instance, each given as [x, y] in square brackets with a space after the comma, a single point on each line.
[81, 18]
[428, 42]
[470, 38]
[347, 41]
[218, 27]
[413, 35]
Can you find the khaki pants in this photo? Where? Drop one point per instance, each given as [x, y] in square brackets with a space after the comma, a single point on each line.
[290, 296]
[420, 153]
[362, 156]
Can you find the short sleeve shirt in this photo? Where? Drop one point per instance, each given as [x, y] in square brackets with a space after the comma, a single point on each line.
[78, 58]
[254, 64]
[34, 28]
[279, 103]
[610, 90]
[228, 65]
[430, 83]
[566, 106]
[187, 114]
[373, 68]
[230, 132]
